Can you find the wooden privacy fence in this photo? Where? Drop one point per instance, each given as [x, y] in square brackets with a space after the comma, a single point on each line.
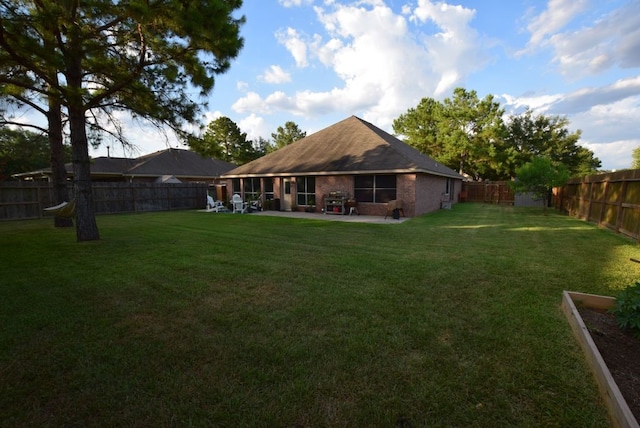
[496, 192]
[610, 200]
[26, 200]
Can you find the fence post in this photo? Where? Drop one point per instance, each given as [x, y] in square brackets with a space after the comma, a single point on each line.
[620, 204]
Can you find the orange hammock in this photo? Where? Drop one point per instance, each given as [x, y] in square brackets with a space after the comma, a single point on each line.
[65, 209]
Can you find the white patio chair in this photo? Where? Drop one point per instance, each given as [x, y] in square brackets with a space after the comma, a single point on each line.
[215, 206]
[239, 206]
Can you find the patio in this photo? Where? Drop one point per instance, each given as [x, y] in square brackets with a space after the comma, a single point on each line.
[330, 217]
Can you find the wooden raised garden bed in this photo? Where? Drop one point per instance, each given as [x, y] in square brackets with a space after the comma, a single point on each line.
[619, 411]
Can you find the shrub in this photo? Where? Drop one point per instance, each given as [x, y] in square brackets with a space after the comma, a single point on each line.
[627, 309]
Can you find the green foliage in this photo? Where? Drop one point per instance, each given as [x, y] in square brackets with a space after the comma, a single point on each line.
[468, 134]
[286, 135]
[224, 140]
[420, 127]
[539, 176]
[462, 132]
[261, 147]
[22, 151]
[528, 136]
[471, 129]
[636, 158]
[627, 308]
[141, 57]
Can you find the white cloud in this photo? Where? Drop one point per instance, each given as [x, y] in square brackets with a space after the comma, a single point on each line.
[210, 116]
[621, 92]
[275, 74]
[255, 126]
[385, 65]
[242, 86]
[611, 40]
[607, 116]
[616, 121]
[614, 155]
[295, 44]
[588, 98]
[293, 3]
[558, 14]
[251, 102]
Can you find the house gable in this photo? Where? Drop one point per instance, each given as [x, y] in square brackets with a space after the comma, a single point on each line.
[352, 146]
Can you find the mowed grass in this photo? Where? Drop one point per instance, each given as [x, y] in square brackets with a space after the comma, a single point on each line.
[195, 319]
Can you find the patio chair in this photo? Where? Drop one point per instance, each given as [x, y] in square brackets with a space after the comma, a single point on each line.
[215, 206]
[256, 205]
[239, 206]
[394, 207]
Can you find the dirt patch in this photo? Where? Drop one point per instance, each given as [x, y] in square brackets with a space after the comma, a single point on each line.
[620, 351]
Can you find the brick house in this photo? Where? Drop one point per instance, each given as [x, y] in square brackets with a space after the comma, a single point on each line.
[351, 161]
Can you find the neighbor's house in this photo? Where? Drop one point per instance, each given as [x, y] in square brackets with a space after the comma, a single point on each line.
[170, 165]
[352, 160]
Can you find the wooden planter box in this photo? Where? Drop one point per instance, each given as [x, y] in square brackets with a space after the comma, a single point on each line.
[619, 411]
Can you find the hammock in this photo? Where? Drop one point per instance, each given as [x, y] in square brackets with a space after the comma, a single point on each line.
[65, 209]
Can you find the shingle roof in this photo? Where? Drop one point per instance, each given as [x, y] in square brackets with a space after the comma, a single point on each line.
[351, 146]
[177, 162]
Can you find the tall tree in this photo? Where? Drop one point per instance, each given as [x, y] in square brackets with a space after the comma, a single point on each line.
[224, 140]
[20, 88]
[261, 146]
[462, 132]
[286, 135]
[471, 132]
[137, 55]
[530, 135]
[420, 127]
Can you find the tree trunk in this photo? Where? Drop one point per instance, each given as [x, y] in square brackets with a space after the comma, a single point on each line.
[56, 146]
[86, 226]
[58, 169]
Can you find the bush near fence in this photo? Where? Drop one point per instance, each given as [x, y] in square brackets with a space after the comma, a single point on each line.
[611, 200]
[26, 200]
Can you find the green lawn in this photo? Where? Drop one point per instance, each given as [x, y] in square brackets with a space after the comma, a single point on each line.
[194, 319]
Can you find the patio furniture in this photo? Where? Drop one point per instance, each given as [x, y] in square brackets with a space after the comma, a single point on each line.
[394, 207]
[334, 203]
[239, 206]
[256, 205]
[352, 206]
[215, 206]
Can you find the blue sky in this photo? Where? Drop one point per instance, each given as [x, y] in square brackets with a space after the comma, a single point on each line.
[316, 62]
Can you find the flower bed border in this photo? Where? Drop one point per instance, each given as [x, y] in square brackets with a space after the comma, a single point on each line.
[621, 415]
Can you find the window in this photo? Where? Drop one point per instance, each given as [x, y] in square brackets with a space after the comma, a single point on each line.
[375, 188]
[306, 190]
[251, 189]
[268, 189]
[235, 186]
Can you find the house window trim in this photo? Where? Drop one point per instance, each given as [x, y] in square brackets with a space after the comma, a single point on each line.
[375, 189]
[302, 189]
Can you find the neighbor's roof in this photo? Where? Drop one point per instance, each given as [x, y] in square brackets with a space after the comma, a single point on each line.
[352, 146]
[179, 163]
